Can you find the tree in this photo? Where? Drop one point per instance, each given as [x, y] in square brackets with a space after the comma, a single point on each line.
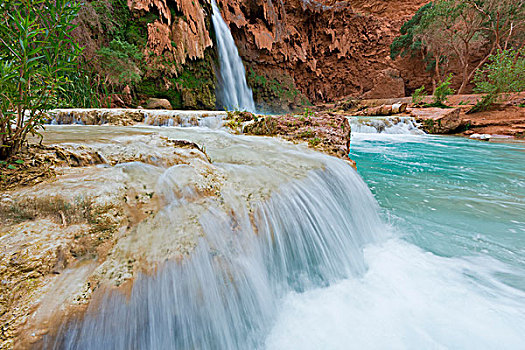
[36, 52]
[453, 30]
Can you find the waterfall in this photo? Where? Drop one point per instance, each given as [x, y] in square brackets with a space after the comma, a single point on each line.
[225, 295]
[235, 93]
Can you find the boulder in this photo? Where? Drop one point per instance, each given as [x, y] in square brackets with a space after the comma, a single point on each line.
[482, 137]
[438, 120]
[158, 103]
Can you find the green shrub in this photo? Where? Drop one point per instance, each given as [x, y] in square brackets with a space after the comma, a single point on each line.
[122, 62]
[419, 95]
[503, 74]
[36, 52]
[442, 92]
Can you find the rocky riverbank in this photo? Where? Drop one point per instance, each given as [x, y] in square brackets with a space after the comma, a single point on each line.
[505, 119]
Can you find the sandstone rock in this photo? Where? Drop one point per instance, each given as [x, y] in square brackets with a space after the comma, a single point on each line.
[388, 83]
[438, 120]
[158, 103]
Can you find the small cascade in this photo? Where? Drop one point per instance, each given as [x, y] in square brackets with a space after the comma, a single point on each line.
[225, 295]
[115, 116]
[234, 90]
[385, 125]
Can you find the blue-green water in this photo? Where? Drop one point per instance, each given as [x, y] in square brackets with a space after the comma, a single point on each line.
[452, 273]
[451, 196]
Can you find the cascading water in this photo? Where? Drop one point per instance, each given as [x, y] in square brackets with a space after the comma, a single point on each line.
[234, 90]
[294, 255]
[384, 125]
[309, 233]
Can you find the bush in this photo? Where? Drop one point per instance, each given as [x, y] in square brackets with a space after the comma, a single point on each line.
[419, 95]
[122, 62]
[503, 74]
[36, 51]
[442, 92]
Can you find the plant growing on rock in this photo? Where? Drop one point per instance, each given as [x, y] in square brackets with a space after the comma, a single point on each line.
[36, 51]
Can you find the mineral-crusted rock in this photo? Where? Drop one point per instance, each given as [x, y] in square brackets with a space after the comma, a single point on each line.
[327, 132]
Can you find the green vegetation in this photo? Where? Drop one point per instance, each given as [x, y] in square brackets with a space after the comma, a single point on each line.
[122, 61]
[448, 32]
[406, 43]
[36, 53]
[442, 92]
[282, 89]
[418, 96]
[503, 74]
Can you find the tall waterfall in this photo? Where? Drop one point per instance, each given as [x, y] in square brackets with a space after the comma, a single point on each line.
[234, 90]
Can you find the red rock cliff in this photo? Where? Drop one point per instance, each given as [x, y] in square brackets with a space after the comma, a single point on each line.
[330, 48]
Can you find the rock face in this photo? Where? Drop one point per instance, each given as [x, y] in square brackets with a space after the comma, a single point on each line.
[438, 120]
[330, 48]
[189, 32]
[295, 51]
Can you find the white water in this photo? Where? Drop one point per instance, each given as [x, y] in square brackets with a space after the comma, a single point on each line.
[227, 294]
[311, 267]
[384, 125]
[234, 91]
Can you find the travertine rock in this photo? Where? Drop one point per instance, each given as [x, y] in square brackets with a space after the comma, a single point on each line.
[331, 48]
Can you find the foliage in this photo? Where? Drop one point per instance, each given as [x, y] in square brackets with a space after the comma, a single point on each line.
[450, 31]
[122, 62]
[406, 43]
[442, 92]
[36, 51]
[504, 73]
[419, 95]
[84, 89]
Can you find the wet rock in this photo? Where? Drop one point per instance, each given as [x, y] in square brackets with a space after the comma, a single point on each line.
[158, 103]
[481, 137]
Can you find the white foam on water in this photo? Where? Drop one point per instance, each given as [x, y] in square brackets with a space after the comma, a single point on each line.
[408, 299]
[385, 125]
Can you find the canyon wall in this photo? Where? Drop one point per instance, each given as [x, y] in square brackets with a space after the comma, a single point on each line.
[295, 51]
[330, 48]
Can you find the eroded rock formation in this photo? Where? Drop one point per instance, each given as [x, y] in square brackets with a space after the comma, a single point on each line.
[330, 48]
